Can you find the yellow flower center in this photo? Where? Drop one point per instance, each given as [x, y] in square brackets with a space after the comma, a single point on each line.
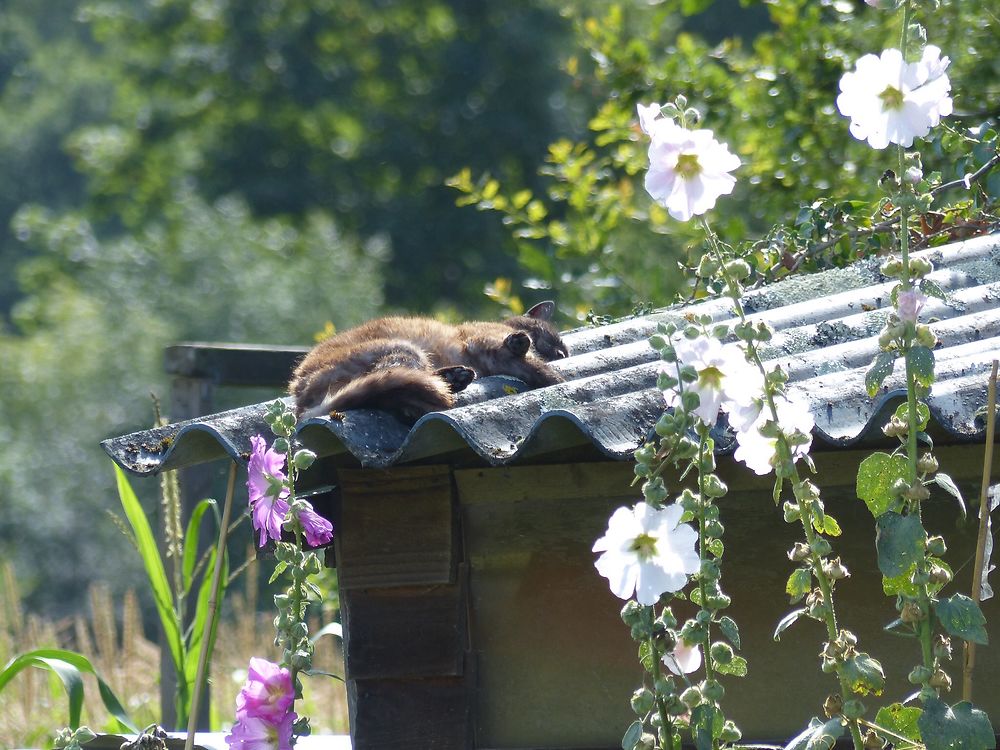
[711, 377]
[644, 546]
[688, 166]
[892, 98]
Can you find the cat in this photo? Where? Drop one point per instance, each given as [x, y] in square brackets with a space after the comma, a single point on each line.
[412, 366]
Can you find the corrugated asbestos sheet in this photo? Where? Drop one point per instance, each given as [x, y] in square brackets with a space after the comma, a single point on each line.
[826, 328]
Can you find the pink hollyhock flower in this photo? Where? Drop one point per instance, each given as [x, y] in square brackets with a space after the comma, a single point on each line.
[317, 529]
[250, 733]
[909, 304]
[268, 693]
[268, 511]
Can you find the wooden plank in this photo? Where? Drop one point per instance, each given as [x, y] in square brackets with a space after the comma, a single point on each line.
[397, 528]
[406, 632]
[409, 714]
[233, 364]
[613, 479]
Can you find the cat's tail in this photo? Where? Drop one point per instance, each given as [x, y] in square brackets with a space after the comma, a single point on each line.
[406, 392]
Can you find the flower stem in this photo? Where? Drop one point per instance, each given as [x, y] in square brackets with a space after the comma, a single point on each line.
[806, 514]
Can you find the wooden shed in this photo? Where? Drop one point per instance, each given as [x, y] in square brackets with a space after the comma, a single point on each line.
[472, 613]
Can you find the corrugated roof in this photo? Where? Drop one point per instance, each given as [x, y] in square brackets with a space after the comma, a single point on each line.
[826, 326]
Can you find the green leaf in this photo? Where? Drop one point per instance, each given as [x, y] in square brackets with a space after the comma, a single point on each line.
[921, 360]
[899, 541]
[729, 629]
[153, 564]
[737, 667]
[191, 539]
[716, 547]
[946, 483]
[786, 622]
[799, 584]
[68, 666]
[693, 7]
[961, 616]
[818, 736]
[333, 629]
[876, 476]
[923, 414]
[931, 289]
[881, 368]
[632, 736]
[201, 615]
[864, 674]
[829, 526]
[960, 727]
[900, 720]
[646, 656]
[902, 584]
[278, 570]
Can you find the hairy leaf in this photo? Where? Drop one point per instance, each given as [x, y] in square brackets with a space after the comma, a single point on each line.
[921, 361]
[875, 478]
[864, 674]
[799, 584]
[881, 369]
[900, 720]
[958, 727]
[786, 622]
[961, 616]
[900, 542]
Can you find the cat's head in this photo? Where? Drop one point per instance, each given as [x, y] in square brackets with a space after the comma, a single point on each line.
[544, 337]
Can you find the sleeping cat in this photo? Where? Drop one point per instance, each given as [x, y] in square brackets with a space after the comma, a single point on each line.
[412, 366]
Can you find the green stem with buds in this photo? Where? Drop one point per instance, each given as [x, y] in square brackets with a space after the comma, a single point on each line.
[785, 453]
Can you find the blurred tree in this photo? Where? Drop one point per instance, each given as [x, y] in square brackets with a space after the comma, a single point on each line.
[359, 108]
[772, 98]
[85, 350]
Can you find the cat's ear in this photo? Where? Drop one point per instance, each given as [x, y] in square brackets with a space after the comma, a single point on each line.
[542, 311]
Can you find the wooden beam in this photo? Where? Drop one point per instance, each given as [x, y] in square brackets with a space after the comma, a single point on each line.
[233, 364]
[397, 528]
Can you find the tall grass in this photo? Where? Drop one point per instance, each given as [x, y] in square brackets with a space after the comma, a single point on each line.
[33, 706]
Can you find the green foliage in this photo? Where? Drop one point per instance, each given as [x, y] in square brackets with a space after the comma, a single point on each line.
[593, 229]
[69, 667]
[818, 736]
[184, 643]
[958, 727]
[900, 720]
[961, 616]
[900, 542]
[876, 476]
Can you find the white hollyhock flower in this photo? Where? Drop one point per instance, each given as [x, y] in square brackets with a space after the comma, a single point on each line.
[688, 169]
[892, 101]
[647, 551]
[684, 659]
[759, 452]
[725, 379]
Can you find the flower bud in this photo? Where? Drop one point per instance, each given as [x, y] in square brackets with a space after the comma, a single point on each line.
[821, 546]
[920, 267]
[927, 464]
[712, 689]
[303, 459]
[707, 266]
[643, 701]
[919, 675]
[792, 512]
[799, 552]
[692, 697]
[925, 336]
[835, 570]
[940, 680]
[942, 647]
[280, 445]
[730, 733]
[913, 175]
[833, 705]
[892, 267]
[912, 612]
[738, 269]
[722, 652]
[853, 709]
[646, 742]
[917, 492]
[938, 575]
[896, 427]
[872, 741]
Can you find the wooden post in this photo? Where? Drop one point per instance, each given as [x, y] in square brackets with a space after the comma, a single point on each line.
[404, 603]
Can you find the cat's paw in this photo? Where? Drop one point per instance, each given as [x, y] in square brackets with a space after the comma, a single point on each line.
[518, 343]
[457, 378]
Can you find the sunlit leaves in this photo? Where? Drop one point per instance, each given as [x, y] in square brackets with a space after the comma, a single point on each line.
[961, 616]
[899, 542]
[876, 476]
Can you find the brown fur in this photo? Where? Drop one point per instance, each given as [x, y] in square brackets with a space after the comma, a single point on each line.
[412, 366]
